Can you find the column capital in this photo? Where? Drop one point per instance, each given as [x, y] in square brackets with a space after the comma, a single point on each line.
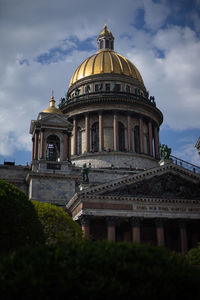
[136, 221]
[182, 223]
[100, 112]
[159, 222]
[65, 132]
[111, 221]
[115, 112]
[69, 133]
[37, 130]
[85, 219]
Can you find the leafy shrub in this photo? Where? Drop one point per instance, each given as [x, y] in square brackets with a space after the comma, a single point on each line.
[19, 224]
[97, 270]
[193, 255]
[57, 224]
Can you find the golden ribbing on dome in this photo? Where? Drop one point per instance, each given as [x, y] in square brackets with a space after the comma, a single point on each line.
[106, 62]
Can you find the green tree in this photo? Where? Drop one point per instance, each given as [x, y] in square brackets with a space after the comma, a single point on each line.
[57, 224]
[193, 255]
[19, 223]
[98, 270]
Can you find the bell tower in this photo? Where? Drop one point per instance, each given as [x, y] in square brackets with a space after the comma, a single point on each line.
[51, 134]
[51, 179]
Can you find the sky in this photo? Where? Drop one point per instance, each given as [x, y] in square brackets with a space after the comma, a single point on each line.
[43, 42]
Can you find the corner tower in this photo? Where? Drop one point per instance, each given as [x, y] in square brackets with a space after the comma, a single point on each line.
[51, 179]
[115, 122]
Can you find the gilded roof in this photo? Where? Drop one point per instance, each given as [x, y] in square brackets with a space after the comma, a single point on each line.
[52, 109]
[105, 32]
[106, 62]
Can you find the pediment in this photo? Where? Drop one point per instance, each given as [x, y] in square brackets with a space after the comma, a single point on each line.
[168, 186]
[54, 119]
[169, 181]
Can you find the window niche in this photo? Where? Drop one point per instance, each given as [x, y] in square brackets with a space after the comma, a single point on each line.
[95, 137]
[53, 148]
[79, 141]
[107, 87]
[137, 139]
[121, 136]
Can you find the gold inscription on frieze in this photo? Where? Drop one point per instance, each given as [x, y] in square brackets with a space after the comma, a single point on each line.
[152, 207]
[163, 208]
[141, 207]
[194, 209]
[178, 209]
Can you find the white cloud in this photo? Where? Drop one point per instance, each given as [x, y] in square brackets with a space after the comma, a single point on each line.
[174, 78]
[155, 13]
[188, 152]
[30, 28]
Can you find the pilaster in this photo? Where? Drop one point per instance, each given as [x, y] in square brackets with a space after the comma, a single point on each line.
[111, 234]
[136, 235]
[115, 131]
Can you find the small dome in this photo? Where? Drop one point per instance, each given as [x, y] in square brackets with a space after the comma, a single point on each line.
[105, 32]
[52, 109]
[106, 61]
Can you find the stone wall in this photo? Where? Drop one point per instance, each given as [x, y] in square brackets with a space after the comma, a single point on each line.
[117, 159]
[54, 189]
[15, 175]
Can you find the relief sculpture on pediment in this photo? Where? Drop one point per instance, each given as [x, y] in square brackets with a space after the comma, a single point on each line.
[164, 186]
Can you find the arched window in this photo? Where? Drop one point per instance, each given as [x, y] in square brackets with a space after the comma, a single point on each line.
[101, 44]
[95, 137]
[137, 139]
[79, 141]
[112, 45]
[146, 137]
[53, 148]
[121, 136]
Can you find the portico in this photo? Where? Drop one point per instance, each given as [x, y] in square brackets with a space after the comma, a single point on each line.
[164, 220]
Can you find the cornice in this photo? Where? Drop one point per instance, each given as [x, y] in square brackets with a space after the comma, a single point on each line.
[88, 101]
[50, 175]
[141, 176]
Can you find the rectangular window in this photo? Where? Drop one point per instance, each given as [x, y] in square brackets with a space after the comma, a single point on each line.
[128, 89]
[96, 87]
[117, 87]
[107, 87]
[101, 44]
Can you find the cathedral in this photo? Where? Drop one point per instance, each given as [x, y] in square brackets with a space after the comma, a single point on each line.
[98, 156]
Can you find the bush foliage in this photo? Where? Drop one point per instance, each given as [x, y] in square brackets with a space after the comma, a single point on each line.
[58, 226]
[19, 224]
[97, 270]
[193, 256]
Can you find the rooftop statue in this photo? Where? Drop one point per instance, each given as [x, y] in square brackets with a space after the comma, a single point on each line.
[165, 152]
[84, 172]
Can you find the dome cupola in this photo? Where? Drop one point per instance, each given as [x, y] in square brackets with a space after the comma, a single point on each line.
[52, 109]
[105, 39]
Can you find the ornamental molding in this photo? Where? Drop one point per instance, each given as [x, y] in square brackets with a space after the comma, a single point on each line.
[95, 193]
[174, 169]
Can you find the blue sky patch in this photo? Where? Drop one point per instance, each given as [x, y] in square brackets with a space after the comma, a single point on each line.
[139, 20]
[67, 46]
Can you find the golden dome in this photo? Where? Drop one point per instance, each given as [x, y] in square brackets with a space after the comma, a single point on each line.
[52, 109]
[106, 61]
